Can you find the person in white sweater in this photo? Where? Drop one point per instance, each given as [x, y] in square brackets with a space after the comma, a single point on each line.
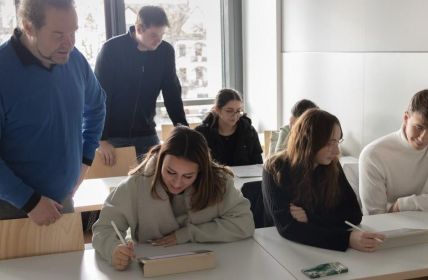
[176, 195]
[394, 168]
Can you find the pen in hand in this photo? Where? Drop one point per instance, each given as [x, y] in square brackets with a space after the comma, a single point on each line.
[118, 233]
[122, 240]
[360, 229]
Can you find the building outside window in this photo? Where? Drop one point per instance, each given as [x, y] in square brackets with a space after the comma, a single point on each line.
[91, 33]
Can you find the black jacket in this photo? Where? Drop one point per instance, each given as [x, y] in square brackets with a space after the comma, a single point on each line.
[247, 150]
[325, 228]
[132, 80]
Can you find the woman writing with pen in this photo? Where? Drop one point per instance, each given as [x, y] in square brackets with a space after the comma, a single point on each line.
[176, 195]
[306, 191]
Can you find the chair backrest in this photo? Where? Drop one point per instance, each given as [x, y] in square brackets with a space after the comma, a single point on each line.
[24, 238]
[126, 159]
[253, 192]
[167, 128]
[270, 138]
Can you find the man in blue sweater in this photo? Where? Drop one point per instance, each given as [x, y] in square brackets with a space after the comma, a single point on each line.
[52, 111]
[133, 68]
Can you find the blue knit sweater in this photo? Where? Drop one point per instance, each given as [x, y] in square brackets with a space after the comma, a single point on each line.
[50, 121]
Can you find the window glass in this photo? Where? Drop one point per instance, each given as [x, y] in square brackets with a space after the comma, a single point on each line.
[91, 33]
[195, 34]
[7, 19]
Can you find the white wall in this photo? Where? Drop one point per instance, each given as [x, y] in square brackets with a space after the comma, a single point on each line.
[262, 62]
[362, 60]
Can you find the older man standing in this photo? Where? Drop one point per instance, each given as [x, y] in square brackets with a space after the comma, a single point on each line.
[52, 112]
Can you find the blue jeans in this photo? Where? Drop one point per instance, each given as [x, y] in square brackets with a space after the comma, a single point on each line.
[142, 144]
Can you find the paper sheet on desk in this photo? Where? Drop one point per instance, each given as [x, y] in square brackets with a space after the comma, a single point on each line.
[248, 171]
[404, 237]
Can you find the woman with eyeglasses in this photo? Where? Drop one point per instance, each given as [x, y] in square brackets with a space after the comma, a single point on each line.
[231, 137]
[306, 192]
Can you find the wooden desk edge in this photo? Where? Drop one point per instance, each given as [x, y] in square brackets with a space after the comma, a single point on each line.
[85, 208]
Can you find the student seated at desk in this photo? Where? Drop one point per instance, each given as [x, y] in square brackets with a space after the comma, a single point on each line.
[176, 195]
[298, 109]
[306, 192]
[231, 137]
[394, 168]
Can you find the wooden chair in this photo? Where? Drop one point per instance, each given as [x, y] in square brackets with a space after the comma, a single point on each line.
[167, 128]
[267, 136]
[24, 238]
[126, 159]
[270, 140]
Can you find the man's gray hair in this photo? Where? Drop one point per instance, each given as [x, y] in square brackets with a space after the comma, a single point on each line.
[34, 10]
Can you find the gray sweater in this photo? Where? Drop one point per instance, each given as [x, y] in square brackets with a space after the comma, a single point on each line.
[132, 206]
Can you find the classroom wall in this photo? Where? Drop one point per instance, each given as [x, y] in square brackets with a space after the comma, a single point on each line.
[262, 68]
[362, 60]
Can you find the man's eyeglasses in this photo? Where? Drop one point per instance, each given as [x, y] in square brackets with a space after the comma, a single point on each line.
[232, 113]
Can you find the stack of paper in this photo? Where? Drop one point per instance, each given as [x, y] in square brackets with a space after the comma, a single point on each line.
[404, 237]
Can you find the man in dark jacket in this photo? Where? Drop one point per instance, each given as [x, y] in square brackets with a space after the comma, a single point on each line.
[133, 68]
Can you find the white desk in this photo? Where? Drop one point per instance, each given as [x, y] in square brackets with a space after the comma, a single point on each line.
[394, 263]
[93, 192]
[244, 260]
[254, 174]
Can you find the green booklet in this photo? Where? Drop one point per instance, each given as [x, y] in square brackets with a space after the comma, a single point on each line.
[325, 269]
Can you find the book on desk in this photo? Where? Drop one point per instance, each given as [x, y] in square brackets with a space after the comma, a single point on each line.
[177, 263]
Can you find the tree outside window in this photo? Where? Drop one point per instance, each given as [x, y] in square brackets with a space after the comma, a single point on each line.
[91, 33]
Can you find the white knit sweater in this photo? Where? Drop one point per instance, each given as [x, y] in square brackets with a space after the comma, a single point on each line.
[391, 170]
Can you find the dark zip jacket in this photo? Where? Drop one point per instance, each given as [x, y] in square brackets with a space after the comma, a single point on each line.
[247, 149]
[132, 80]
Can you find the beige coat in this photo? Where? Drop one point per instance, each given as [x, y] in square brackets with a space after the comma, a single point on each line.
[132, 206]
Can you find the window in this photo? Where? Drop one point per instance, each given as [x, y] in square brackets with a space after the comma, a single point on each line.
[89, 37]
[195, 34]
[7, 19]
[91, 33]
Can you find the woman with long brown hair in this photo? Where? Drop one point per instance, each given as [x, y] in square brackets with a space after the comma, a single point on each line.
[306, 192]
[176, 195]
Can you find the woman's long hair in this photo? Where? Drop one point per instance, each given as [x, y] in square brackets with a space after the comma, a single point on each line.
[186, 143]
[311, 133]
